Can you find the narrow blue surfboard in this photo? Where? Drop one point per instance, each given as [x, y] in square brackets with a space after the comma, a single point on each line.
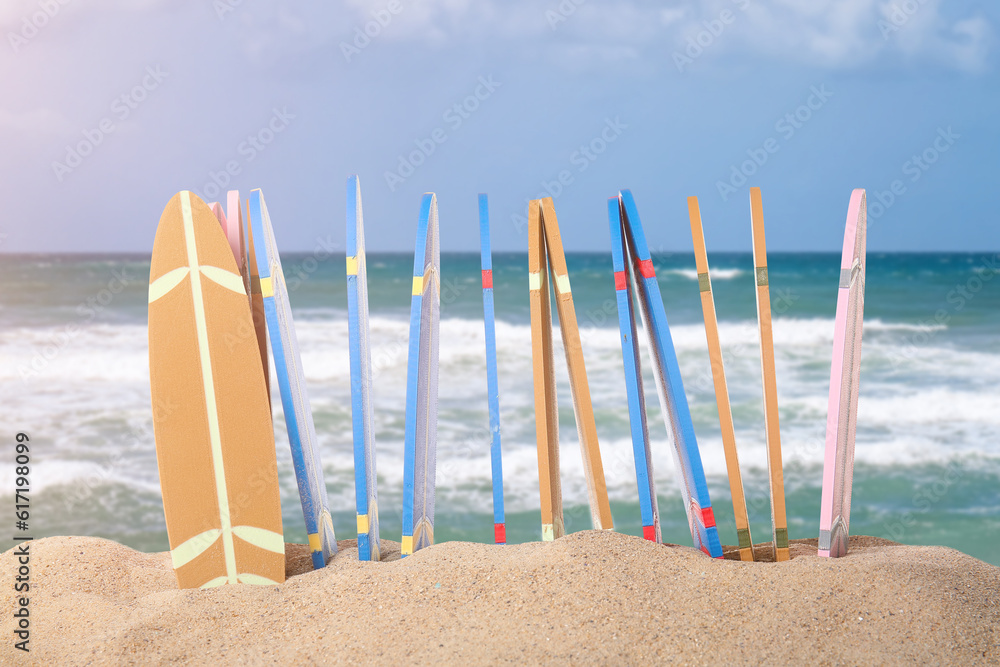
[670, 388]
[292, 383]
[492, 384]
[648, 510]
[365, 484]
[420, 440]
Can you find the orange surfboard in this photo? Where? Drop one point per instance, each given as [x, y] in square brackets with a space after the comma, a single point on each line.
[212, 421]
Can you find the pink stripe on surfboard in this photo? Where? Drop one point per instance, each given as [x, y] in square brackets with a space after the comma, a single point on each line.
[838, 466]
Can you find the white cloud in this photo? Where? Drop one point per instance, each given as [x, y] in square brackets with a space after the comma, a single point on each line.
[825, 33]
[41, 121]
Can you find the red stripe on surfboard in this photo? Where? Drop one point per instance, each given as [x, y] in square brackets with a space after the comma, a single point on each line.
[620, 283]
[487, 279]
[708, 517]
[646, 268]
[649, 533]
[500, 531]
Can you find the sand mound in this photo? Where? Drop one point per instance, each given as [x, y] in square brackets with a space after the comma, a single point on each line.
[594, 597]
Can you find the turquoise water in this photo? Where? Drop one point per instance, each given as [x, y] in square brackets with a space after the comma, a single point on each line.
[74, 361]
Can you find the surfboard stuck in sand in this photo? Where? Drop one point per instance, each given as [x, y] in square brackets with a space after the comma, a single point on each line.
[292, 383]
[667, 373]
[546, 260]
[845, 378]
[492, 383]
[211, 418]
[362, 417]
[420, 439]
[772, 431]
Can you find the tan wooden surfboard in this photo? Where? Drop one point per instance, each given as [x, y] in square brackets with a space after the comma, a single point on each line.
[214, 440]
[719, 377]
[772, 432]
[545, 254]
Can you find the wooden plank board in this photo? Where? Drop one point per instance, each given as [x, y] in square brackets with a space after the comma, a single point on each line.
[420, 443]
[845, 378]
[214, 442]
[669, 386]
[292, 384]
[648, 509]
[362, 416]
[583, 409]
[492, 382]
[779, 523]
[544, 376]
[719, 378]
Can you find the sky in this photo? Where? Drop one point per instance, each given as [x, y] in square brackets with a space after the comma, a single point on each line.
[109, 107]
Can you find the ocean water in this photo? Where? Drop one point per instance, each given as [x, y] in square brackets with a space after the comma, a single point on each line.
[74, 376]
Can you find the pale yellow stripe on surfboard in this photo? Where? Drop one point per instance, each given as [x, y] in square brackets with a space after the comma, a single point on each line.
[315, 544]
[255, 580]
[187, 551]
[266, 287]
[548, 532]
[406, 546]
[261, 537]
[362, 524]
[168, 281]
[352, 266]
[535, 281]
[231, 281]
[214, 434]
[562, 284]
[212, 583]
[418, 285]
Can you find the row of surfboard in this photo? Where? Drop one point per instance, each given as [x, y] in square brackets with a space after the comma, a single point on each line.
[217, 295]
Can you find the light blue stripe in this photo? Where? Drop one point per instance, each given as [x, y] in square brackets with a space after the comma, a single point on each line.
[492, 384]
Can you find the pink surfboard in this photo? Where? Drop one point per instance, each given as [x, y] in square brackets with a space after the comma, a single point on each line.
[845, 376]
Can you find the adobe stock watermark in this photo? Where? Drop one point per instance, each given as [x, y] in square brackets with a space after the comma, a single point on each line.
[224, 8]
[711, 30]
[584, 156]
[786, 126]
[363, 35]
[88, 310]
[33, 23]
[247, 151]
[907, 351]
[898, 15]
[563, 11]
[915, 167]
[122, 108]
[455, 116]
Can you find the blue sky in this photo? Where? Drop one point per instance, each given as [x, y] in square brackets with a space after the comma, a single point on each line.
[111, 106]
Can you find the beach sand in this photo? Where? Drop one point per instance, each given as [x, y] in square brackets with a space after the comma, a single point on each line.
[591, 597]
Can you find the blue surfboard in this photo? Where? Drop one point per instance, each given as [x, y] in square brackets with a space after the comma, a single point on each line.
[648, 510]
[670, 388]
[365, 484]
[292, 383]
[492, 385]
[420, 439]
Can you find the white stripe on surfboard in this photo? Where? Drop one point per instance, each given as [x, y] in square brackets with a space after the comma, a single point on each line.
[214, 434]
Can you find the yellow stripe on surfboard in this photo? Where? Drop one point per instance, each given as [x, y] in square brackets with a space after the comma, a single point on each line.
[771, 428]
[719, 378]
[208, 382]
